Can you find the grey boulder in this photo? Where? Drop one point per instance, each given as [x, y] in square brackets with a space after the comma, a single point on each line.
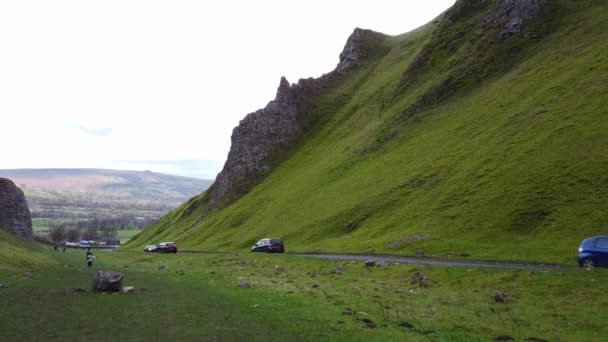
[107, 281]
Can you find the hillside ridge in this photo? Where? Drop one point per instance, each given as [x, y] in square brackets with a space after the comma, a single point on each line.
[261, 139]
[483, 131]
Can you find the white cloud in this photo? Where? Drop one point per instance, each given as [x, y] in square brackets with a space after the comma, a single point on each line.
[162, 80]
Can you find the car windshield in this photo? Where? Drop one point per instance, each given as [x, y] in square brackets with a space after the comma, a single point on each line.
[276, 241]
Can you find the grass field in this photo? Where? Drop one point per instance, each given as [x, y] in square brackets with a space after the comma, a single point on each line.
[198, 297]
[126, 234]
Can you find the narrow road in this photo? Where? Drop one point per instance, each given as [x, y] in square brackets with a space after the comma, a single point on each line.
[438, 262]
[411, 260]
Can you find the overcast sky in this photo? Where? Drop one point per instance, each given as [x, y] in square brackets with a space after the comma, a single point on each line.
[159, 85]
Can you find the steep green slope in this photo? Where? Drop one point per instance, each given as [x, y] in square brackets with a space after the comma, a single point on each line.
[497, 148]
[20, 255]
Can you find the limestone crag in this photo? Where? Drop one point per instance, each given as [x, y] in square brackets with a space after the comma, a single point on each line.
[358, 46]
[256, 136]
[262, 135]
[513, 15]
[510, 16]
[14, 212]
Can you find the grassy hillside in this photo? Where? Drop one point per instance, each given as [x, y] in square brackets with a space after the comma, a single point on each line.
[113, 197]
[19, 255]
[496, 148]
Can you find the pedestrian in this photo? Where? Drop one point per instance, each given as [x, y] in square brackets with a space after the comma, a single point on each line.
[63, 250]
[88, 253]
[56, 249]
[90, 259]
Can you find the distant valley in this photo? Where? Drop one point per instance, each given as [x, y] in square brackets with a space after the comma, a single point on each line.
[102, 199]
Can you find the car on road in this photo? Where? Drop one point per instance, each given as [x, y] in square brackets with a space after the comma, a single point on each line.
[593, 252]
[269, 245]
[166, 247]
[150, 248]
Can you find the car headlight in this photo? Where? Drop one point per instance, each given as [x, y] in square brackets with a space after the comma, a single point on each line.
[580, 250]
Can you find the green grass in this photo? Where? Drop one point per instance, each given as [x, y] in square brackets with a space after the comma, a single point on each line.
[292, 298]
[17, 255]
[507, 163]
[126, 234]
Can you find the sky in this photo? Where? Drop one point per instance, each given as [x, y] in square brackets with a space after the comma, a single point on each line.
[159, 85]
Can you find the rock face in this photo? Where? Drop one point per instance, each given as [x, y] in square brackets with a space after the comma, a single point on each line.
[107, 281]
[513, 15]
[358, 46]
[256, 136]
[14, 212]
[261, 137]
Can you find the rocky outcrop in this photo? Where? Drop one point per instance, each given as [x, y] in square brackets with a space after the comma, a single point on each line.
[359, 46]
[262, 136]
[257, 135]
[14, 212]
[512, 16]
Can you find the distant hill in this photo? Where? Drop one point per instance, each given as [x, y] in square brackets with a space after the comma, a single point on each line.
[482, 134]
[78, 196]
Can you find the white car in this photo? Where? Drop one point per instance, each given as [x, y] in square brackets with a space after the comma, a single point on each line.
[150, 248]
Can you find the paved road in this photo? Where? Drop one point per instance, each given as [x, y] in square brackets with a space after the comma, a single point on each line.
[438, 262]
[412, 260]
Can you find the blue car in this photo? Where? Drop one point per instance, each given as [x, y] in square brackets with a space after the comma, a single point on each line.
[593, 252]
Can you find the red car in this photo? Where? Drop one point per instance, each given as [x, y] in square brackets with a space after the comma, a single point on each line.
[166, 247]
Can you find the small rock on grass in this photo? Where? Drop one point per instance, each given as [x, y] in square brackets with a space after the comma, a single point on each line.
[420, 279]
[504, 338]
[501, 297]
[2, 286]
[255, 306]
[370, 263]
[79, 289]
[339, 269]
[28, 274]
[245, 284]
[368, 322]
[163, 267]
[127, 289]
[407, 325]
[535, 339]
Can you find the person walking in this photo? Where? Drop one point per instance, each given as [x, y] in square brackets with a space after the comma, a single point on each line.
[90, 258]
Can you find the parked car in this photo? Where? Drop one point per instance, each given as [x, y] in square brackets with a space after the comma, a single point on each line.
[269, 245]
[84, 244]
[166, 247]
[593, 252]
[150, 248]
